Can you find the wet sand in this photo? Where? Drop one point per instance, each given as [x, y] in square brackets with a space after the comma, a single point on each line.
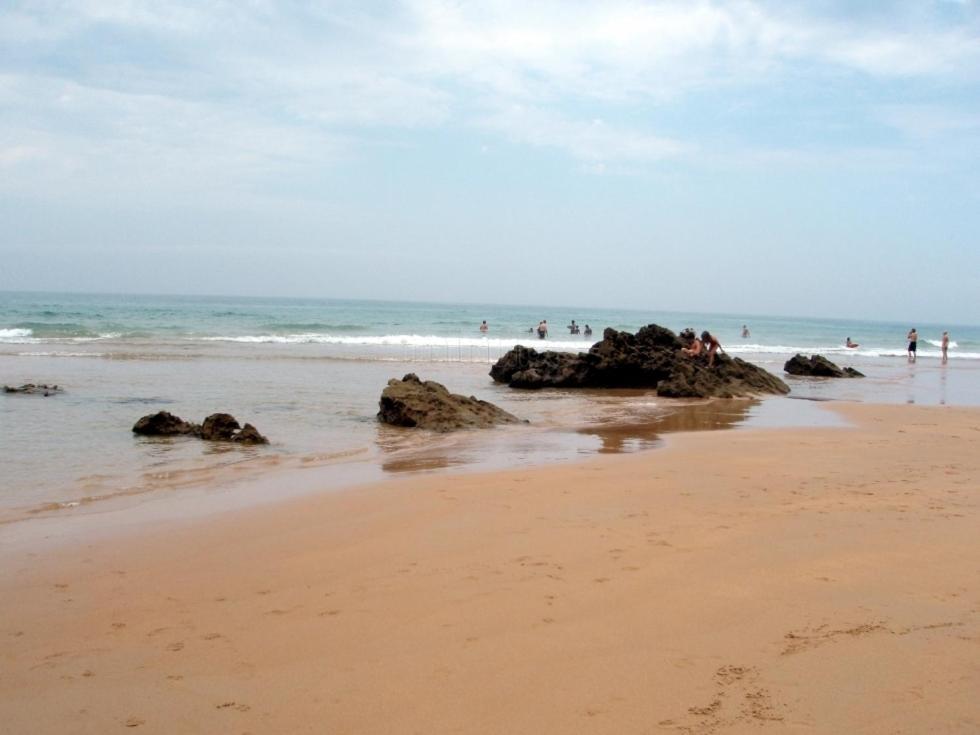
[818, 580]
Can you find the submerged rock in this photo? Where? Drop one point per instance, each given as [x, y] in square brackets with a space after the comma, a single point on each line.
[651, 358]
[216, 427]
[31, 389]
[818, 366]
[429, 405]
[249, 435]
[164, 423]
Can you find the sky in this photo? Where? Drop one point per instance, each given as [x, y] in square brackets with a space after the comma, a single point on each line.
[813, 158]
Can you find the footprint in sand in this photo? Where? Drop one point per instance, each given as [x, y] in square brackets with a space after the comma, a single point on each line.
[211, 636]
[134, 722]
[176, 646]
[326, 613]
[738, 699]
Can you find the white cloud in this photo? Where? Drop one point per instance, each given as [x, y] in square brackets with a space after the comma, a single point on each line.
[264, 84]
[925, 122]
[591, 141]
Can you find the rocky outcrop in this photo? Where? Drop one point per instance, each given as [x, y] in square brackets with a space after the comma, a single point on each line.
[651, 358]
[216, 427]
[426, 404]
[31, 389]
[818, 366]
[219, 427]
[164, 423]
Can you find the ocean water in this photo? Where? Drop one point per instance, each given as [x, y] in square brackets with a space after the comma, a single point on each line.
[308, 373]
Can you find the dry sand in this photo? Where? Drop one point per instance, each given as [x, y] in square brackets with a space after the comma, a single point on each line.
[818, 581]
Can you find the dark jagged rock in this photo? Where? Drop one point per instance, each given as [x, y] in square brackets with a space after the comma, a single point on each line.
[219, 427]
[249, 435]
[818, 366]
[216, 427]
[651, 358]
[429, 405]
[164, 423]
[31, 389]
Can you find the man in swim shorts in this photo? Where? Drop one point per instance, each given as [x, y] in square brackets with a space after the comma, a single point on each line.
[913, 339]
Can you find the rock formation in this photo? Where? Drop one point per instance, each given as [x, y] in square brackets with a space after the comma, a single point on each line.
[429, 405]
[33, 390]
[216, 427]
[818, 366]
[651, 358]
[164, 423]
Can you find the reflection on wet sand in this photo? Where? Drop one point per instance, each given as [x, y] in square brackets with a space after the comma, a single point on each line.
[619, 424]
[618, 437]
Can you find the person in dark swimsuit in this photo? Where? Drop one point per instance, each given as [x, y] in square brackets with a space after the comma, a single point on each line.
[913, 339]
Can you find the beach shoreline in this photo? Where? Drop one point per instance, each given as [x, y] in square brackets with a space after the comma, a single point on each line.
[813, 579]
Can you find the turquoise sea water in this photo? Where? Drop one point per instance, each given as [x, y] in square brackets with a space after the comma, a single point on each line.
[308, 373]
[394, 329]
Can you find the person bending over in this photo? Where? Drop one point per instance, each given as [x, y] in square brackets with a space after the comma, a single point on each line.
[712, 344]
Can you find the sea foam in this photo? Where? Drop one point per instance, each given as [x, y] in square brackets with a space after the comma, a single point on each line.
[16, 336]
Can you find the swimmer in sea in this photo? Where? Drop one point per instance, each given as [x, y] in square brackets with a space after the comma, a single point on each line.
[848, 343]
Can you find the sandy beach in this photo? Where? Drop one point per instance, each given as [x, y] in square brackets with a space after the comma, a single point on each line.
[809, 580]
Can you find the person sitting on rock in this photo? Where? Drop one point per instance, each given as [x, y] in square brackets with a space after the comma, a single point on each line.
[694, 348]
[713, 345]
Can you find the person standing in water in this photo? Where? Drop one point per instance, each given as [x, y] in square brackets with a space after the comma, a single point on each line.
[913, 338]
[543, 329]
[484, 327]
[745, 331]
[944, 346]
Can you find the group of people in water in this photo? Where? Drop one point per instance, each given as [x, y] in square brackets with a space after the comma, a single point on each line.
[913, 346]
[542, 329]
[708, 344]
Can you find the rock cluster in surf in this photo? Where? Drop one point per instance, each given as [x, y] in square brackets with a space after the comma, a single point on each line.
[31, 389]
[818, 366]
[651, 358]
[425, 404]
[216, 427]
